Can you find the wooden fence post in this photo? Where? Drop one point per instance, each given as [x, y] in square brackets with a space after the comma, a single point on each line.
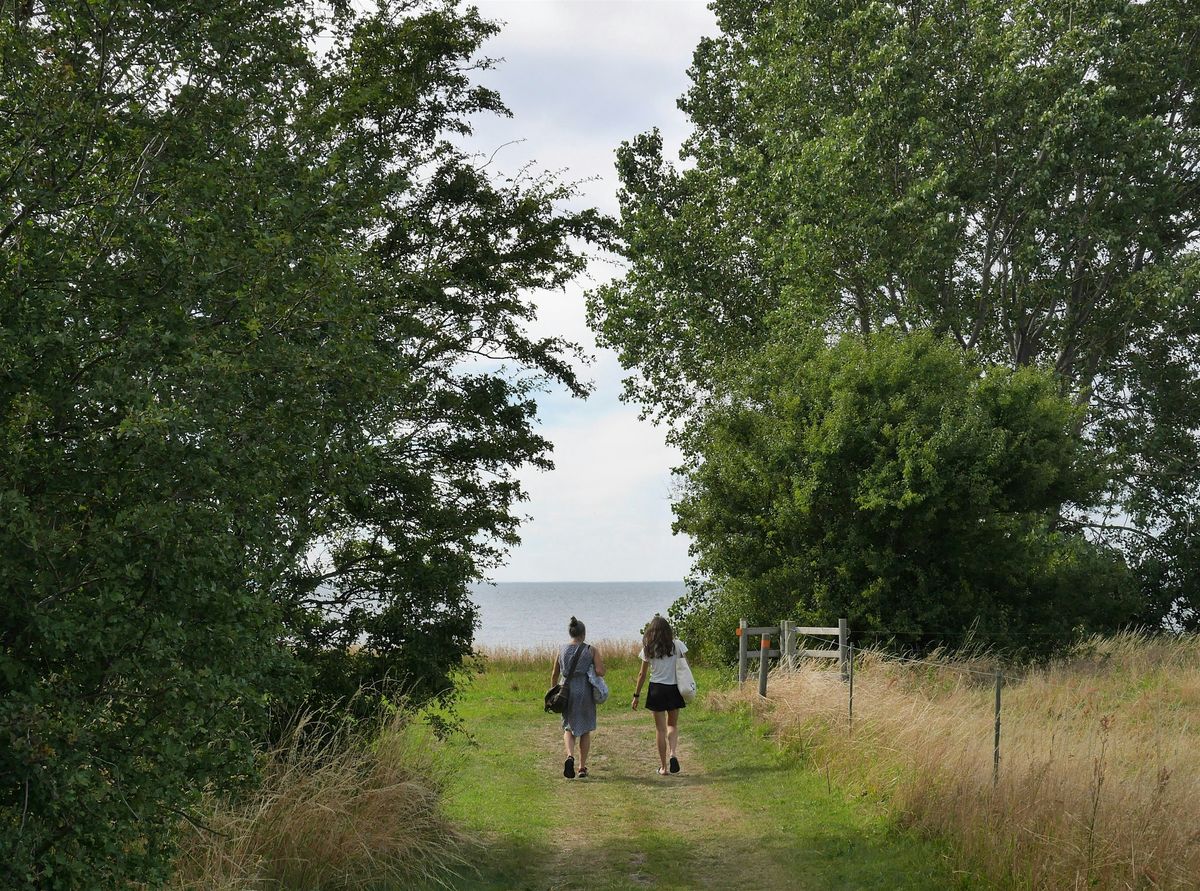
[788, 646]
[763, 660]
[996, 743]
[844, 647]
[851, 689]
[742, 648]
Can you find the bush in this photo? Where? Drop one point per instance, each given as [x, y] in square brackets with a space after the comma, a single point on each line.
[900, 484]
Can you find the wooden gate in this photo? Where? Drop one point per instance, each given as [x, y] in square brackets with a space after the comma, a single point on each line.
[789, 635]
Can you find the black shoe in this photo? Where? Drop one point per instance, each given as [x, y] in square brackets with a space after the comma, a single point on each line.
[569, 768]
[674, 764]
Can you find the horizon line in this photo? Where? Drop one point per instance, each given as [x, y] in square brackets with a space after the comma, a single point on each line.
[580, 582]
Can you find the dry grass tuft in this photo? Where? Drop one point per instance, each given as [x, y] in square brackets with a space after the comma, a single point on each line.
[1098, 784]
[334, 810]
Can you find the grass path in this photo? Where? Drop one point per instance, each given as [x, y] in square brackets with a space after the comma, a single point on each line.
[741, 814]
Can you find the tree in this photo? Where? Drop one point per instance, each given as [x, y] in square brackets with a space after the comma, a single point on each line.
[902, 485]
[252, 295]
[1021, 178]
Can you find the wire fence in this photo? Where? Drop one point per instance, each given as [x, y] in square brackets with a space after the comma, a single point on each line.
[908, 660]
[845, 652]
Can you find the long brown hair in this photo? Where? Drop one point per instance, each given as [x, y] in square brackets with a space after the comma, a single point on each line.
[659, 640]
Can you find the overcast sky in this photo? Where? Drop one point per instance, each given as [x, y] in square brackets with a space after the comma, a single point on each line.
[579, 77]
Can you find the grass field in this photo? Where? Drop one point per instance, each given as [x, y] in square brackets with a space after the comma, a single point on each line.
[1098, 784]
[742, 813]
[1097, 787]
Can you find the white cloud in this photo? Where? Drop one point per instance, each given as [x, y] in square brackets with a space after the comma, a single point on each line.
[611, 30]
[580, 76]
[603, 513]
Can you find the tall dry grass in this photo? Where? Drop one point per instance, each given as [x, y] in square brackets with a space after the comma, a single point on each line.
[1099, 784]
[335, 810]
[613, 651]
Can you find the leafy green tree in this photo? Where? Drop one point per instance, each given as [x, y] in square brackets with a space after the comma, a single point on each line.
[251, 295]
[901, 485]
[1020, 177]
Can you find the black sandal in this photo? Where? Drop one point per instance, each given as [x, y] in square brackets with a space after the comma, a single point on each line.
[569, 768]
[674, 764]
[582, 772]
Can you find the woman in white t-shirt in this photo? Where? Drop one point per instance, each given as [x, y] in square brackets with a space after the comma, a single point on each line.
[658, 654]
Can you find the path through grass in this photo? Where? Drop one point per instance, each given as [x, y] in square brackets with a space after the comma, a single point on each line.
[741, 814]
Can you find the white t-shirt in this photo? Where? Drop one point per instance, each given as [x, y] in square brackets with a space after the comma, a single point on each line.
[662, 670]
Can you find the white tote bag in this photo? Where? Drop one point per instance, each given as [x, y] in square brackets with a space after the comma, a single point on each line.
[599, 686]
[684, 679]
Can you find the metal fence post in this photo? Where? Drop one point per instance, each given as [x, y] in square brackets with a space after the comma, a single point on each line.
[764, 648]
[996, 744]
[743, 659]
[843, 647]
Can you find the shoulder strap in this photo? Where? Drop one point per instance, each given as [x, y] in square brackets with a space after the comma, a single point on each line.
[575, 661]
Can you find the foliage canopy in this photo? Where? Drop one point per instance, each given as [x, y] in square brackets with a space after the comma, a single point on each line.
[249, 289]
[897, 484]
[1021, 178]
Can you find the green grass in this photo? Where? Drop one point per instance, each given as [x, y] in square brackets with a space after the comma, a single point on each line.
[743, 811]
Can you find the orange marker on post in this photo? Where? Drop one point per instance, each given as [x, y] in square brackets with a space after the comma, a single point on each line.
[743, 649]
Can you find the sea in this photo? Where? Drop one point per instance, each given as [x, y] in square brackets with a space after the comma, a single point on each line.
[535, 614]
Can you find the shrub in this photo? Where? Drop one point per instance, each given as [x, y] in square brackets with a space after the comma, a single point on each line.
[901, 484]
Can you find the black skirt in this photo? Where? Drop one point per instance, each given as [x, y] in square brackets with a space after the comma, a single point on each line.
[664, 698]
